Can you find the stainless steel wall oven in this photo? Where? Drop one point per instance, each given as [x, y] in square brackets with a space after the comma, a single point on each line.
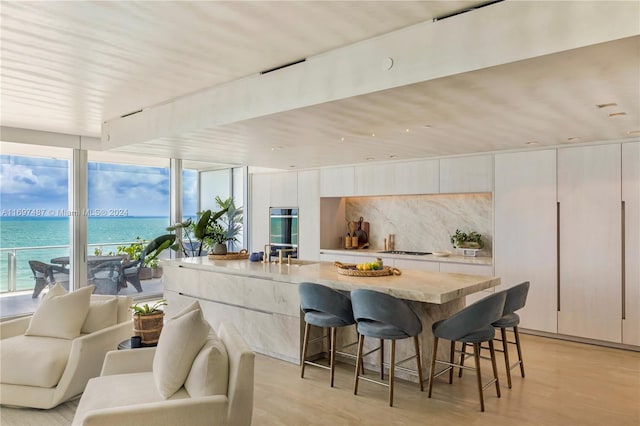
[283, 230]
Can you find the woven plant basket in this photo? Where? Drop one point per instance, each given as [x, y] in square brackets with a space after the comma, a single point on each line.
[242, 254]
[350, 270]
[148, 327]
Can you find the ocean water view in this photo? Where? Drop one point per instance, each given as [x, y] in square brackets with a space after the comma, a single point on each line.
[23, 236]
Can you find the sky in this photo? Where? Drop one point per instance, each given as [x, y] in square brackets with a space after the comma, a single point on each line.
[39, 186]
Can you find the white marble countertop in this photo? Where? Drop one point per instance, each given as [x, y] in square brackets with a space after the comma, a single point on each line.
[422, 286]
[453, 258]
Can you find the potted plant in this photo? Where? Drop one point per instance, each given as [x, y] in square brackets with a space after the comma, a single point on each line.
[462, 240]
[148, 321]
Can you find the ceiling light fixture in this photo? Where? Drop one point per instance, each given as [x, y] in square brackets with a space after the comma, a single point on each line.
[427, 126]
[369, 158]
[393, 156]
[607, 105]
[532, 143]
[633, 132]
[342, 139]
[406, 130]
[573, 139]
[617, 114]
[373, 134]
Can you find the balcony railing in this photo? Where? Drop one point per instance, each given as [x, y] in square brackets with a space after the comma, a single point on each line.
[15, 273]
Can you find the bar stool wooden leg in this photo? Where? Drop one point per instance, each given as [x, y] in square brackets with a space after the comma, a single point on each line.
[517, 335]
[433, 364]
[332, 354]
[304, 348]
[362, 363]
[358, 363]
[476, 356]
[381, 359]
[462, 357]
[392, 370]
[495, 367]
[452, 353]
[416, 342]
[505, 349]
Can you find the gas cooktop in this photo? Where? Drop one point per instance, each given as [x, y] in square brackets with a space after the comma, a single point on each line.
[412, 253]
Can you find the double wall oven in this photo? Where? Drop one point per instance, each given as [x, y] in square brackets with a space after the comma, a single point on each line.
[283, 230]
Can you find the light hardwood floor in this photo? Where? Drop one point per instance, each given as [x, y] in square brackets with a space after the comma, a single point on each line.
[567, 384]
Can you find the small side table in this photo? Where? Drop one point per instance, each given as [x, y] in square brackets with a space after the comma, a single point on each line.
[126, 344]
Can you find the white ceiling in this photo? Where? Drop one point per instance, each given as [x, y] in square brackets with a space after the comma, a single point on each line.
[69, 66]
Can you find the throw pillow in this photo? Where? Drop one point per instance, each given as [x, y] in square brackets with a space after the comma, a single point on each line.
[102, 314]
[209, 373]
[61, 315]
[56, 290]
[181, 339]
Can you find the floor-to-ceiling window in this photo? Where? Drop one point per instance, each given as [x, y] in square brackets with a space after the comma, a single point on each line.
[34, 222]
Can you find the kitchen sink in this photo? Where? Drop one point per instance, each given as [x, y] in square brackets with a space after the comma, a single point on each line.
[412, 253]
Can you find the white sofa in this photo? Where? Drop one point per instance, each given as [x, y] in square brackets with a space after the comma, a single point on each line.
[127, 393]
[43, 372]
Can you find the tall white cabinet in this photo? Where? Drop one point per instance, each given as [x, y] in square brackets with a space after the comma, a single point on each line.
[631, 198]
[590, 292]
[524, 247]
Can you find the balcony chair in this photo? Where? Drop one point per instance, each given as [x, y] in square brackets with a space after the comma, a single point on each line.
[470, 325]
[130, 270]
[383, 317]
[326, 308]
[46, 274]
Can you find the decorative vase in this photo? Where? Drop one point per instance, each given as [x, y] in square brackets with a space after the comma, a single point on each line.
[148, 327]
[219, 248]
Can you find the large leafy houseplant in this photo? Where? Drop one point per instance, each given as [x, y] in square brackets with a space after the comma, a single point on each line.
[211, 229]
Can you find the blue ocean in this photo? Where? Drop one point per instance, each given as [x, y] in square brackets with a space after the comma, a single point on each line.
[24, 237]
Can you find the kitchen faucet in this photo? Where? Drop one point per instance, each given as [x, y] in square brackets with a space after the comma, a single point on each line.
[280, 251]
[266, 256]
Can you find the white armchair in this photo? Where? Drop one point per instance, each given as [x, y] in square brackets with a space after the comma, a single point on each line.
[42, 372]
[127, 394]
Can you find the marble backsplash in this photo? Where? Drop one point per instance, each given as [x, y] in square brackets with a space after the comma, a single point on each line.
[424, 222]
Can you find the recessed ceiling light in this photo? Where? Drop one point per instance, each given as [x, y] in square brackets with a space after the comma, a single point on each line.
[532, 143]
[427, 125]
[373, 134]
[342, 139]
[292, 166]
[617, 114]
[607, 105]
[393, 156]
[573, 139]
[369, 158]
[633, 132]
[406, 130]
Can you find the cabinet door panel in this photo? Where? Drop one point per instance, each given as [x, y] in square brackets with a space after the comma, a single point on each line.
[525, 232]
[309, 214]
[631, 198]
[590, 242]
[260, 203]
[284, 189]
[337, 182]
[466, 174]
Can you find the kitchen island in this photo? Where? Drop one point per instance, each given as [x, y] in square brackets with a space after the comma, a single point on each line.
[261, 299]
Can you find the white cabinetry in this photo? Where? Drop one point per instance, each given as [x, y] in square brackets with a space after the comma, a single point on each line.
[466, 174]
[284, 189]
[259, 218]
[417, 265]
[309, 214]
[415, 177]
[337, 182]
[590, 242]
[631, 198]
[524, 243]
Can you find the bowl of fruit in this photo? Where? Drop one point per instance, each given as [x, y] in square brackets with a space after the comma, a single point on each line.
[366, 269]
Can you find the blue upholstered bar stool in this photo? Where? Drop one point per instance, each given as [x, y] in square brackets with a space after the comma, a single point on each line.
[323, 307]
[516, 299]
[469, 325]
[384, 317]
